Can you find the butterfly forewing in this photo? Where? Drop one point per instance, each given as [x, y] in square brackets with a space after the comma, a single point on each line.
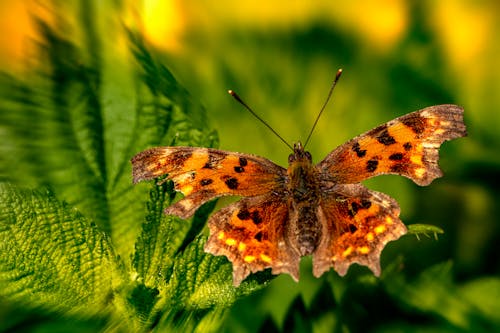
[202, 174]
[406, 146]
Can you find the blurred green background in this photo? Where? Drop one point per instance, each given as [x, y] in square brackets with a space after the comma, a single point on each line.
[281, 57]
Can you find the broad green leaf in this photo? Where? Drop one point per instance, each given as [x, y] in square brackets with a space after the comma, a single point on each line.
[73, 127]
[52, 256]
[201, 280]
[84, 112]
[155, 247]
[164, 239]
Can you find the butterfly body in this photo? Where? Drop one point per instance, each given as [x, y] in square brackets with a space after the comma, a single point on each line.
[321, 210]
[303, 192]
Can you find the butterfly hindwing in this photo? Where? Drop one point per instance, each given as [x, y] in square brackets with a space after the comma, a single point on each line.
[202, 174]
[406, 146]
[357, 224]
[250, 233]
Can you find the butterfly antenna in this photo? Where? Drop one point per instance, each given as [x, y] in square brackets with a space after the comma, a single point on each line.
[337, 77]
[238, 98]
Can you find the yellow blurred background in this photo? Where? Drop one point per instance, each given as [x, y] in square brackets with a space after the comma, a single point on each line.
[464, 27]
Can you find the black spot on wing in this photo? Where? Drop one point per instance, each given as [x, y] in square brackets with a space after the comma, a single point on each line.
[239, 169]
[385, 138]
[258, 236]
[206, 181]
[407, 146]
[232, 183]
[371, 165]
[256, 217]
[354, 208]
[357, 149]
[416, 123]
[366, 204]
[243, 214]
[396, 157]
[243, 161]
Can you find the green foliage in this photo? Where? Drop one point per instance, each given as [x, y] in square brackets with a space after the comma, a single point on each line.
[428, 302]
[85, 242]
[434, 295]
[52, 256]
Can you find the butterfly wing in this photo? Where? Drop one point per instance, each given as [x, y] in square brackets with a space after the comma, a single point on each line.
[407, 146]
[357, 223]
[250, 233]
[202, 174]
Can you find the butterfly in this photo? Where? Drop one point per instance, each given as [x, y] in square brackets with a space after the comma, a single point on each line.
[321, 210]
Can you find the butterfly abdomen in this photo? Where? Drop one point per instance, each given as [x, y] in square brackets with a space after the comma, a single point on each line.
[304, 228]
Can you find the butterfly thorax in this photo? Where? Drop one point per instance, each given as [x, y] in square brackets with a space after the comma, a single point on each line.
[303, 228]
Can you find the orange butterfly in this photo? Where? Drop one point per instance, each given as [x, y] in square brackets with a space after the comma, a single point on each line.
[320, 210]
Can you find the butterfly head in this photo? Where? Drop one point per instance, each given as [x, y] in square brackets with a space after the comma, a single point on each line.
[299, 154]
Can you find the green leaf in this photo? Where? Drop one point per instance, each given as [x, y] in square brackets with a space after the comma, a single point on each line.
[484, 294]
[297, 318]
[201, 280]
[83, 113]
[434, 293]
[158, 241]
[72, 125]
[193, 268]
[53, 257]
[269, 326]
